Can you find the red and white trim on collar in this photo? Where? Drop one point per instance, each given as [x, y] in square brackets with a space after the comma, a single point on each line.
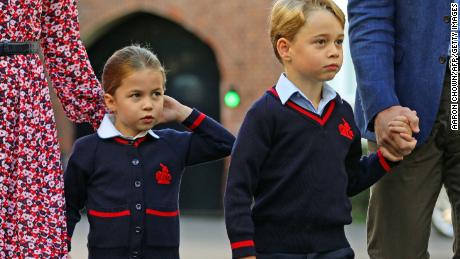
[319, 119]
[135, 143]
[107, 129]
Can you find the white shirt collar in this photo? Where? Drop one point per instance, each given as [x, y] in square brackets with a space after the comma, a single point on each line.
[285, 89]
[107, 130]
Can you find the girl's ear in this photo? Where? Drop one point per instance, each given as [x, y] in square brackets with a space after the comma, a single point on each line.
[109, 101]
[283, 46]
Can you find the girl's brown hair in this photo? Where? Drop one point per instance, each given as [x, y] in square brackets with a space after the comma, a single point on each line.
[126, 61]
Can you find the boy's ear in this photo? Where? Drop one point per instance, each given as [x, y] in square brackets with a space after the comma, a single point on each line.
[282, 46]
[110, 102]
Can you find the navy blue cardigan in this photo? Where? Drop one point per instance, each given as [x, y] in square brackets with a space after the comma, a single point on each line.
[130, 188]
[291, 173]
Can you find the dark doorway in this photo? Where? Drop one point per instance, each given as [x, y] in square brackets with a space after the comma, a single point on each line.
[193, 79]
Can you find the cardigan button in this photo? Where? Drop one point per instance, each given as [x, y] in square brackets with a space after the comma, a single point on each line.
[138, 229]
[138, 206]
[137, 184]
[135, 161]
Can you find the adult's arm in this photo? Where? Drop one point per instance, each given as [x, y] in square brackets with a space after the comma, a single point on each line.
[67, 63]
[372, 42]
[372, 45]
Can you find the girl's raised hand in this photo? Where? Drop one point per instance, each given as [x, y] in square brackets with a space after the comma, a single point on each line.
[173, 111]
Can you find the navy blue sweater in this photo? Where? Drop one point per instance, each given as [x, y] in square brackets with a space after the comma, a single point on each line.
[130, 188]
[291, 173]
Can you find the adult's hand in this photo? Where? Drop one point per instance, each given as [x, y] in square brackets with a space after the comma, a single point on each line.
[391, 142]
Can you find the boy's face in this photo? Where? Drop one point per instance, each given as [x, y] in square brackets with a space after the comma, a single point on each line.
[316, 50]
[138, 103]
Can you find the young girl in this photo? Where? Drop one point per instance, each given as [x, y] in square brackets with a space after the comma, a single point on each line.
[127, 175]
[297, 157]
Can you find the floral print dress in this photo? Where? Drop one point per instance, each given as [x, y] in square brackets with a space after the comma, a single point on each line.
[32, 219]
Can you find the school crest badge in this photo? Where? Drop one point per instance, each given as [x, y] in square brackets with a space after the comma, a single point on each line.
[163, 176]
[345, 130]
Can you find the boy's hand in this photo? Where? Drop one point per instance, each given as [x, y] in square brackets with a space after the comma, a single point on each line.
[399, 126]
[395, 145]
[173, 111]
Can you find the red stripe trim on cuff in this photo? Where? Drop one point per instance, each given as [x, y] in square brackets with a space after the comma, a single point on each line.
[241, 244]
[162, 213]
[383, 162]
[197, 122]
[109, 214]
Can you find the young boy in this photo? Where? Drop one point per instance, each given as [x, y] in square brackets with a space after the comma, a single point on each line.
[297, 157]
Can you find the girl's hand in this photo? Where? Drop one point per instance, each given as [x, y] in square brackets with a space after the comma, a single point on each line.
[173, 111]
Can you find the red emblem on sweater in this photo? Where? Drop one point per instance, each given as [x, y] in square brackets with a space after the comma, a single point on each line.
[163, 176]
[345, 129]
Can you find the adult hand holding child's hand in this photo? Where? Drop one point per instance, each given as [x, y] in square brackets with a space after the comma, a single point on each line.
[400, 131]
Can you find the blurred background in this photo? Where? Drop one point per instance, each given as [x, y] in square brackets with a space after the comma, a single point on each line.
[219, 59]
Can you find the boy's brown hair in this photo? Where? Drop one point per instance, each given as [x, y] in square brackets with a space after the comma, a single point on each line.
[288, 16]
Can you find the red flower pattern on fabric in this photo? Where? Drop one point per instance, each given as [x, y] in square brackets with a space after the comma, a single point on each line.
[32, 206]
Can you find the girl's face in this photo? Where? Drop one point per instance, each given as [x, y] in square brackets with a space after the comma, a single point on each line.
[316, 50]
[138, 102]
